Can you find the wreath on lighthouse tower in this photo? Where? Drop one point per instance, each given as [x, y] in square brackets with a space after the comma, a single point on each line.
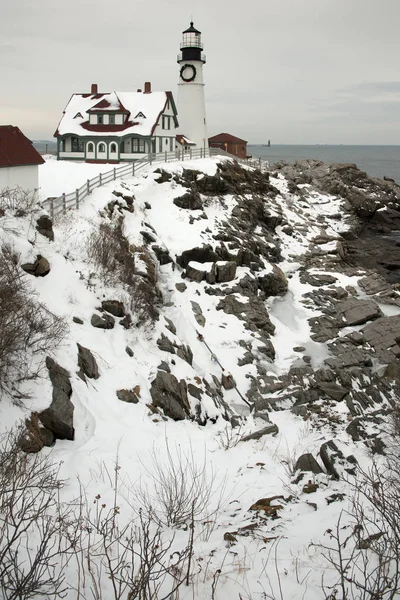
[190, 72]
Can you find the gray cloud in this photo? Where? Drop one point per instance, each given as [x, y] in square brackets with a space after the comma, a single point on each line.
[295, 71]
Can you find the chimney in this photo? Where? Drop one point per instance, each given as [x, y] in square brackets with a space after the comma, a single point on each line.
[147, 87]
[139, 90]
[94, 88]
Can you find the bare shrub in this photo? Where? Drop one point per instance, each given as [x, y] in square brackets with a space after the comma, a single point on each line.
[32, 545]
[20, 201]
[183, 489]
[119, 262]
[28, 329]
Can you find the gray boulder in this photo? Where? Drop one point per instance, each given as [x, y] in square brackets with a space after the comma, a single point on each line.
[225, 271]
[87, 363]
[272, 429]
[104, 322]
[58, 417]
[194, 273]
[170, 395]
[306, 462]
[129, 396]
[114, 307]
[357, 312]
[44, 226]
[191, 201]
[274, 283]
[333, 390]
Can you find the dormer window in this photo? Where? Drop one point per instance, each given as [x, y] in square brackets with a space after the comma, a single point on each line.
[140, 115]
[100, 119]
[78, 115]
[166, 122]
[111, 119]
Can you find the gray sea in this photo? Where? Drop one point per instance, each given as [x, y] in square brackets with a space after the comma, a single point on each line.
[377, 161]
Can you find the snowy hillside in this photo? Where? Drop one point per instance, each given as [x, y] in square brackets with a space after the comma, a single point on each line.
[216, 320]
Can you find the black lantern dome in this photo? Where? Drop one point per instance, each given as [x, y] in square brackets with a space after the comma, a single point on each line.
[191, 45]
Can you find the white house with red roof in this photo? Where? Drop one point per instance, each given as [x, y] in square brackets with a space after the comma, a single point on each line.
[117, 126]
[19, 161]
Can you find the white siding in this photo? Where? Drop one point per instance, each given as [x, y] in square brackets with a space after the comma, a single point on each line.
[27, 178]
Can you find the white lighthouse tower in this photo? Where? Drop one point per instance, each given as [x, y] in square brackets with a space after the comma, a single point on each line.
[191, 104]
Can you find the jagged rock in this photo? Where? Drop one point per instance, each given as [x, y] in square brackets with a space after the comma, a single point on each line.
[104, 322]
[165, 344]
[40, 268]
[171, 395]
[114, 307]
[44, 226]
[333, 390]
[392, 371]
[201, 254]
[225, 271]
[185, 353]
[306, 462]
[164, 366]
[253, 312]
[383, 335]
[195, 391]
[273, 283]
[198, 315]
[272, 429]
[129, 351]
[77, 320]
[126, 322]
[374, 283]
[58, 417]
[162, 255]
[128, 396]
[191, 201]
[87, 363]
[164, 176]
[170, 326]
[317, 279]
[35, 436]
[194, 273]
[334, 460]
[263, 416]
[300, 410]
[357, 312]
[181, 286]
[148, 237]
[310, 488]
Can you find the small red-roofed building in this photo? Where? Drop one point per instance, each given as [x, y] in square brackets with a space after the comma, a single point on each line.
[19, 161]
[229, 143]
[117, 126]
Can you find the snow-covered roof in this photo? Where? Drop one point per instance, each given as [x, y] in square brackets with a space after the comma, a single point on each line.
[184, 141]
[142, 111]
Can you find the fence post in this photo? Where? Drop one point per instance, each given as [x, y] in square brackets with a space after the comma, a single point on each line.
[99, 179]
[190, 152]
[150, 158]
[52, 208]
[133, 167]
[115, 173]
[64, 204]
[88, 186]
[201, 152]
[166, 156]
[77, 198]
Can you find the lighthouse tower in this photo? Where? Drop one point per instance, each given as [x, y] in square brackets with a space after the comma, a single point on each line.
[191, 104]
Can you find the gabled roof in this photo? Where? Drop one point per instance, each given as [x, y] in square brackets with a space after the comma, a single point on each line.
[152, 105]
[184, 141]
[15, 149]
[226, 138]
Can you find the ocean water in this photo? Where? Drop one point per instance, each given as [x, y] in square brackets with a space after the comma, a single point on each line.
[377, 161]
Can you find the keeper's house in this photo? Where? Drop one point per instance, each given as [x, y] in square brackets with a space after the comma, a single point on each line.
[117, 126]
[229, 143]
[19, 161]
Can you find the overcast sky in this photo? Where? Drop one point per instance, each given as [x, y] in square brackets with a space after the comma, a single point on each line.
[294, 71]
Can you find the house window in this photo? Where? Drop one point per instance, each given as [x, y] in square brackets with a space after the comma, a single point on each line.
[111, 119]
[166, 122]
[138, 145]
[160, 145]
[77, 145]
[90, 147]
[102, 148]
[100, 119]
[113, 148]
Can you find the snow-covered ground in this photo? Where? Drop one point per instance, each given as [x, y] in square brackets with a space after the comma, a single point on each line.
[278, 560]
